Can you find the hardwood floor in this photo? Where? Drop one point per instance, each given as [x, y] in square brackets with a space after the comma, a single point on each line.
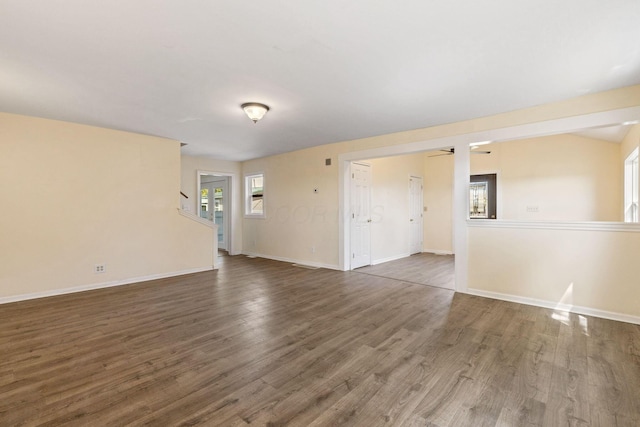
[260, 342]
[423, 268]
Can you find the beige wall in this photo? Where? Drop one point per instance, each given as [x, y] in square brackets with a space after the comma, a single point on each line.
[438, 199]
[189, 167]
[586, 268]
[74, 196]
[390, 232]
[300, 224]
[566, 177]
[630, 142]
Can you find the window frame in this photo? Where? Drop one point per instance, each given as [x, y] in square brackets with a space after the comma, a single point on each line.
[248, 196]
[491, 179]
[631, 184]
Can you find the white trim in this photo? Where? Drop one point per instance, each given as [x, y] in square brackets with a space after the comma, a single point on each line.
[421, 222]
[630, 202]
[232, 223]
[192, 217]
[246, 197]
[94, 286]
[437, 252]
[621, 317]
[391, 258]
[556, 225]
[292, 260]
[461, 182]
[344, 225]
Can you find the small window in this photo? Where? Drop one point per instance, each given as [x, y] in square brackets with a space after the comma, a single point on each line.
[631, 184]
[482, 196]
[254, 195]
[478, 200]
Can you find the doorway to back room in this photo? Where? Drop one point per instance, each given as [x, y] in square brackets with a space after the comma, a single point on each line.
[214, 205]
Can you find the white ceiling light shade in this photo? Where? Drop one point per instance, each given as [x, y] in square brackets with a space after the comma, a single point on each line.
[255, 110]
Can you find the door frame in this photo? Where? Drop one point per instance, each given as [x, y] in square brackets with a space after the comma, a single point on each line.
[368, 165]
[230, 224]
[421, 222]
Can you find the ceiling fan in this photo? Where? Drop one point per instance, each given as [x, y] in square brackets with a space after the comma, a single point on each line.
[450, 151]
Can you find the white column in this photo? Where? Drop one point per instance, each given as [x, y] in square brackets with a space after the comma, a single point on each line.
[462, 170]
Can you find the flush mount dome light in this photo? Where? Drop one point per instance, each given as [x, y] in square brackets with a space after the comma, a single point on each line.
[255, 110]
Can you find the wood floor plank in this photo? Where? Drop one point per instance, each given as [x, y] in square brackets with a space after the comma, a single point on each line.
[568, 397]
[261, 342]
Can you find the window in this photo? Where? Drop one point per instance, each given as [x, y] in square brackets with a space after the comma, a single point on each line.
[254, 195]
[631, 184]
[482, 196]
[204, 202]
[478, 200]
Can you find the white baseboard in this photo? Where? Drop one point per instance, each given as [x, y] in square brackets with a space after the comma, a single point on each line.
[294, 261]
[93, 286]
[392, 258]
[557, 306]
[437, 251]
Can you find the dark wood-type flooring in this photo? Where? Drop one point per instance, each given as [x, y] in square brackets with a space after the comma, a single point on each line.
[260, 342]
[423, 268]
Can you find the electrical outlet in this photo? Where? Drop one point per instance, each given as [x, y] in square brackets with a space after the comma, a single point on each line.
[313, 249]
[533, 209]
[99, 268]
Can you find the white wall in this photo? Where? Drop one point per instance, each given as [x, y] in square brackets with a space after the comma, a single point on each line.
[75, 196]
[190, 165]
[390, 205]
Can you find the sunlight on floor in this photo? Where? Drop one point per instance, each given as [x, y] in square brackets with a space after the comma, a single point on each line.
[563, 308]
[562, 311]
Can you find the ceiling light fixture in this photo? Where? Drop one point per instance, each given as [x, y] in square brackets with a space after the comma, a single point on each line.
[255, 110]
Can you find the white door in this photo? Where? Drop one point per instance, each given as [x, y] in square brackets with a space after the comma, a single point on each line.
[221, 192]
[360, 215]
[415, 215]
[214, 206]
[207, 191]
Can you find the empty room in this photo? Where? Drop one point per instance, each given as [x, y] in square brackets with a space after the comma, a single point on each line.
[319, 213]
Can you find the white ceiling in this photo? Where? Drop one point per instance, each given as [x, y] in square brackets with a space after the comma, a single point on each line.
[331, 70]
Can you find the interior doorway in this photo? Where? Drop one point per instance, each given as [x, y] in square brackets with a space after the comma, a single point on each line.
[214, 204]
[415, 214]
[360, 214]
